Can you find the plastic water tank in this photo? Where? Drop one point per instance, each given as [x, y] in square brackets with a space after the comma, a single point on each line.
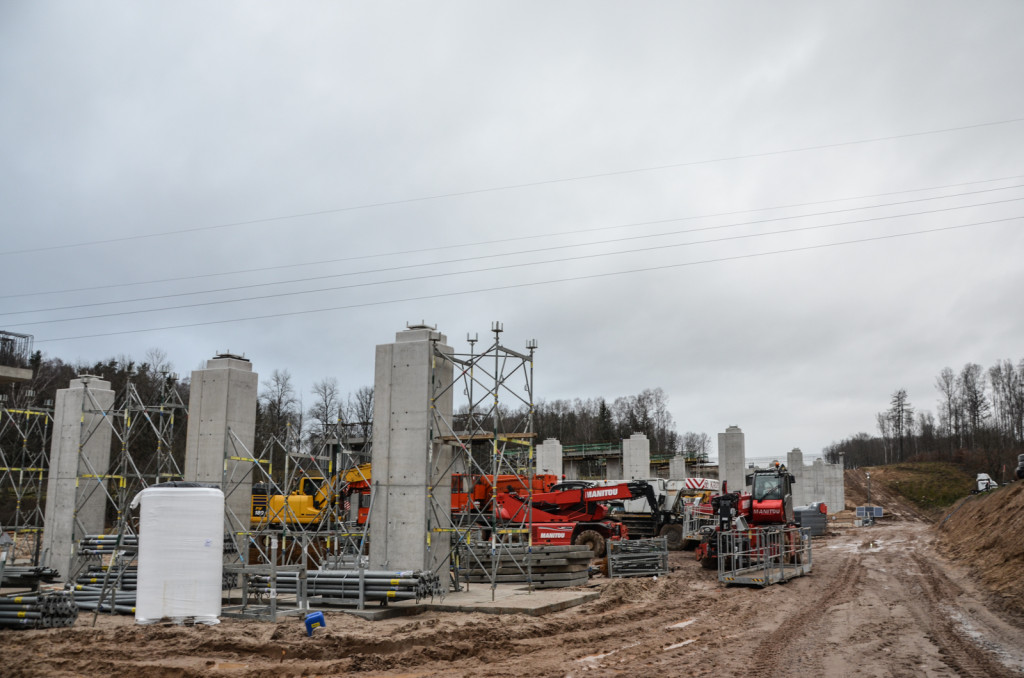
[181, 545]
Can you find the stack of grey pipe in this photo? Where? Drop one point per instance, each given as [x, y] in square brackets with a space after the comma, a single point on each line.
[19, 576]
[100, 544]
[638, 558]
[342, 586]
[549, 566]
[38, 611]
[120, 593]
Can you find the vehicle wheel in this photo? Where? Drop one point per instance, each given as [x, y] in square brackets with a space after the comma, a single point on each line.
[708, 563]
[592, 540]
[673, 537]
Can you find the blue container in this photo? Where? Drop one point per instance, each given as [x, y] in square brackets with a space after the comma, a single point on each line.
[314, 620]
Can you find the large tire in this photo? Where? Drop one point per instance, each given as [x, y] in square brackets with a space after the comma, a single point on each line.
[673, 536]
[592, 540]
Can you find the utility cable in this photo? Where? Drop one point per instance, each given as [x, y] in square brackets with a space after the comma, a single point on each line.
[522, 252]
[591, 276]
[509, 187]
[500, 240]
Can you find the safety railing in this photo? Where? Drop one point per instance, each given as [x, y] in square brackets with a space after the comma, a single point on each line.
[762, 556]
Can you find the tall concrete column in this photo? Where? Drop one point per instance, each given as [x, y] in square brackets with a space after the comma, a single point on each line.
[76, 504]
[411, 475]
[612, 469]
[795, 464]
[549, 457]
[677, 467]
[732, 458]
[816, 486]
[636, 457]
[221, 425]
[835, 490]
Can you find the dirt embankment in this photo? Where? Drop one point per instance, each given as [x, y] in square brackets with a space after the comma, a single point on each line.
[985, 532]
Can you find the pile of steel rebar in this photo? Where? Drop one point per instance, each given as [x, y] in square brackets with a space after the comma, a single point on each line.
[28, 576]
[638, 558]
[343, 586]
[38, 611]
[120, 591]
[544, 567]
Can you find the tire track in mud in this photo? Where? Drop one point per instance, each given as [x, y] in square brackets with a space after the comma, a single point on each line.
[777, 652]
[933, 609]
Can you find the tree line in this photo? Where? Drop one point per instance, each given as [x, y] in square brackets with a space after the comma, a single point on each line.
[980, 423]
[291, 420]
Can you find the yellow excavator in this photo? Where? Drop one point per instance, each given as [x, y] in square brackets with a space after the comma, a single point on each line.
[313, 501]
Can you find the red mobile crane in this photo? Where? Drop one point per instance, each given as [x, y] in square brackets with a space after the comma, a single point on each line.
[574, 516]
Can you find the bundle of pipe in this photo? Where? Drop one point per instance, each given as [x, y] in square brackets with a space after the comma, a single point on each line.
[98, 544]
[38, 611]
[378, 585]
[27, 576]
[120, 591]
[94, 576]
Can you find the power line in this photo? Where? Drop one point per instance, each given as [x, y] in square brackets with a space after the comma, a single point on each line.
[509, 187]
[500, 255]
[510, 239]
[538, 283]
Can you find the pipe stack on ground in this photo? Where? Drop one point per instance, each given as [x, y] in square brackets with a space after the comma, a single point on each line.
[638, 558]
[38, 611]
[120, 594]
[546, 567]
[342, 586]
[28, 576]
[101, 544]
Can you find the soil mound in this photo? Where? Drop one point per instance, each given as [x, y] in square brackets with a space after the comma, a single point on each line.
[885, 491]
[985, 532]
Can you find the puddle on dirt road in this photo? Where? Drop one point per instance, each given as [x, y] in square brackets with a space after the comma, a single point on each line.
[984, 641]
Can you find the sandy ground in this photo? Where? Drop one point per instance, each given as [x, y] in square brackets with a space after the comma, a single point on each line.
[880, 602]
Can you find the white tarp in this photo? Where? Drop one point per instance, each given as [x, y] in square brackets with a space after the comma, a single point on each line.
[181, 545]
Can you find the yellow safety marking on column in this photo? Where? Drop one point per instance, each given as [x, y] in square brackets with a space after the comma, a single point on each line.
[394, 582]
[391, 594]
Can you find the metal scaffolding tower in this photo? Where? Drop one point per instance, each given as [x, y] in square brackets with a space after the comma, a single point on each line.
[492, 435]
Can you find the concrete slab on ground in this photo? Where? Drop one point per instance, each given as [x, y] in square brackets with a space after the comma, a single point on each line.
[508, 599]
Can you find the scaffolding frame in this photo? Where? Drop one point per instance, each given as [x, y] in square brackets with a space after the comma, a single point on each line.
[128, 471]
[269, 547]
[24, 469]
[486, 380]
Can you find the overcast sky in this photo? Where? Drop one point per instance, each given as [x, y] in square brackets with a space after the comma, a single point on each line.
[556, 166]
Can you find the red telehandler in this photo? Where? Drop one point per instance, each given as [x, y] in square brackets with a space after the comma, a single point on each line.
[574, 516]
[769, 503]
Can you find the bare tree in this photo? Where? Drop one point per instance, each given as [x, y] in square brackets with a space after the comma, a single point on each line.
[323, 413]
[976, 407]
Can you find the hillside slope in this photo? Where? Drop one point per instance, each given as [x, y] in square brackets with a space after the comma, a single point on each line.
[986, 533]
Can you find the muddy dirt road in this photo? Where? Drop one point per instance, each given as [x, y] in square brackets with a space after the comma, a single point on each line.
[879, 603]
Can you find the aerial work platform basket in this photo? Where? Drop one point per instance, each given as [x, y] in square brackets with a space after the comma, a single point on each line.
[762, 556]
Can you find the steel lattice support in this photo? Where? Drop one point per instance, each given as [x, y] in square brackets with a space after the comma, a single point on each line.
[490, 439]
[143, 438]
[24, 461]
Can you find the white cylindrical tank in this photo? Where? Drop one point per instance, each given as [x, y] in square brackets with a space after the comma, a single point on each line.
[181, 545]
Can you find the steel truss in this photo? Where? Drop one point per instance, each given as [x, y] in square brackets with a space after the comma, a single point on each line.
[24, 462]
[488, 380]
